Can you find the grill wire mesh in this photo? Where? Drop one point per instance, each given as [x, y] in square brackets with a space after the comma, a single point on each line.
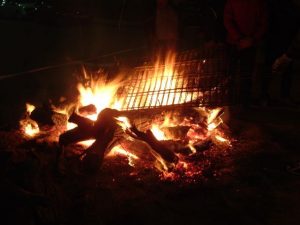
[199, 78]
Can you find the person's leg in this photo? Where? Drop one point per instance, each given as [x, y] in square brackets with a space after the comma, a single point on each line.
[286, 82]
[234, 86]
[247, 64]
[266, 77]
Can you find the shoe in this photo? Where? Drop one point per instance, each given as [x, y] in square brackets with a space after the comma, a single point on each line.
[288, 102]
[264, 103]
[294, 169]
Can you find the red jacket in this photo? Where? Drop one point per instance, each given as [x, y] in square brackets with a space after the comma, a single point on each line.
[245, 18]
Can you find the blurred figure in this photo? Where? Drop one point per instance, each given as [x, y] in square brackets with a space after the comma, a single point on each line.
[284, 25]
[201, 25]
[283, 65]
[292, 53]
[166, 25]
[246, 24]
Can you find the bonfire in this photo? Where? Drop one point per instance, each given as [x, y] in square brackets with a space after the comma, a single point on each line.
[154, 118]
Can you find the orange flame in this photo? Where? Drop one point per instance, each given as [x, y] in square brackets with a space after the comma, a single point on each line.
[158, 133]
[101, 94]
[29, 127]
[158, 89]
[123, 122]
[29, 108]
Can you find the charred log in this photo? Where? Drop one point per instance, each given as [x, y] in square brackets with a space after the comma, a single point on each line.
[75, 135]
[87, 129]
[82, 122]
[101, 130]
[106, 119]
[88, 110]
[46, 116]
[43, 115]
[104, 131]
[95, 153]
[177, 133]
[177, 146]
[156, 145]
[203, 146]
[199, 147]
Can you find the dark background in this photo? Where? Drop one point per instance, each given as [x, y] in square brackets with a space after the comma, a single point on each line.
[61, 32]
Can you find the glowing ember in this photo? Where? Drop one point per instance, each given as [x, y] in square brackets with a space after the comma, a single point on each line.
[118, 150]
[212, 115]
[192, 148]
[221, 139]
[71, 126]
[124, 122]
[158, 133]
[87, 143]
[214, 125]
[31, 129]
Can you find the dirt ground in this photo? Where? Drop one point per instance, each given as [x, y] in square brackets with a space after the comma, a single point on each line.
[251, 184]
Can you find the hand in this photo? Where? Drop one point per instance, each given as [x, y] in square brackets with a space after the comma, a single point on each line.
[245, 43]
[281, 64]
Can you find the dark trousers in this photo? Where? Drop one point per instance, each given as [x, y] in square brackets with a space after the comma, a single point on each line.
[285, 84]
[242, 65]
[287, 81]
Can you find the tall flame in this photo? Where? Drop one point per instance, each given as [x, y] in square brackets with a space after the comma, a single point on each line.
[159, 88]
[100, 93]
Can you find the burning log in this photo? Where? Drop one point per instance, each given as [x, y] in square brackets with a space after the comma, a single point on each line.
[82, 122]
[156, 145]
[102, 131]
[75, 135]
[95, 153]
[181, 148]
[87, 129]
[198, 147]
[45, 115]
[88, 110]
[177, 146]
[177, 133]
[203, 146]
[84, 131]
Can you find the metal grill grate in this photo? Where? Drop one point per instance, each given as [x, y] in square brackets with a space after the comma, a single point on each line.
[197, 79]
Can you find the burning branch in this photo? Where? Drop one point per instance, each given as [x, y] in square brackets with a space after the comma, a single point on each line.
[102, 130]
[156, 145]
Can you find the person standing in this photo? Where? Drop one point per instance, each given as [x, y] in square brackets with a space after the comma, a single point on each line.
[246, 24]
[283, 28]
[200, 24]
[166, 25]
